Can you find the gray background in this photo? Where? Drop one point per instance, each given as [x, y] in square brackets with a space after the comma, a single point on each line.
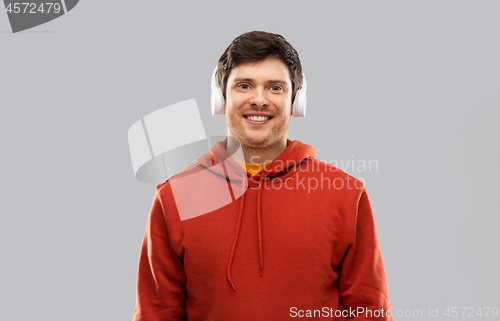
[413, 85]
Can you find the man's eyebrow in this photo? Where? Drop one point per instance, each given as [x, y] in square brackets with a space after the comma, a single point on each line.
[242, 79]
[278, 81]
[273, 81]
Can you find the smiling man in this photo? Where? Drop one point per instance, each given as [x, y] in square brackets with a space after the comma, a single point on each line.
[258, 228]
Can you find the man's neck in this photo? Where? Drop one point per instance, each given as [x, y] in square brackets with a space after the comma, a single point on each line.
[255, 155]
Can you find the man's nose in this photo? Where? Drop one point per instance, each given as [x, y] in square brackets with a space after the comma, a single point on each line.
[259, 97]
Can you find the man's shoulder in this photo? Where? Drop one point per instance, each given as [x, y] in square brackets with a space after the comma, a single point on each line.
[186, 171]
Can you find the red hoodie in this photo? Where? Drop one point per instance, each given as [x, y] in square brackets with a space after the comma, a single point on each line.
[298, 239]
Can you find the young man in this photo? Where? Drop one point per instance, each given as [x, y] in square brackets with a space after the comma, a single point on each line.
[257, 228]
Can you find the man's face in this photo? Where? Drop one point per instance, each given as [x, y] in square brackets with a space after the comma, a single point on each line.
[259, 102]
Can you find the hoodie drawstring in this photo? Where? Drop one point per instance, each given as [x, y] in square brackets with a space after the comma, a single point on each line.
[237, 234]
[261, 257]
[238, 225]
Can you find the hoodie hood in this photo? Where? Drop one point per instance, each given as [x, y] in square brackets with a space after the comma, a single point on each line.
[283, 166]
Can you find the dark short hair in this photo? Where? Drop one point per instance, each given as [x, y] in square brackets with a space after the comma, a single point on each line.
[257, 46]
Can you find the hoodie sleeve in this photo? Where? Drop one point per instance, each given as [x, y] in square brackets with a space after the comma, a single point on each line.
[362, 285]
[161, 282]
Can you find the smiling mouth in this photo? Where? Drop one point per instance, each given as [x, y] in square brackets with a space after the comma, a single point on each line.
[258, 118]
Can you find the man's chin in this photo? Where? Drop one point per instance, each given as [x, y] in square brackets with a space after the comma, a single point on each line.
[256, 142]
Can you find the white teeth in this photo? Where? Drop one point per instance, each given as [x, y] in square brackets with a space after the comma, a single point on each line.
[258, 118]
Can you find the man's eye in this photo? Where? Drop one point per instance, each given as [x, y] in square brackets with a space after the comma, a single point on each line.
[275, 88]
[244, 86]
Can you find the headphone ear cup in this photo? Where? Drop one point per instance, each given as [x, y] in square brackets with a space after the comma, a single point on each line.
[216, 99]
[217, 102]
[300, 102]
[294, 105]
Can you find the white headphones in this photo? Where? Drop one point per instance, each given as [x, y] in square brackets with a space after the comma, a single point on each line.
[217, 99]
